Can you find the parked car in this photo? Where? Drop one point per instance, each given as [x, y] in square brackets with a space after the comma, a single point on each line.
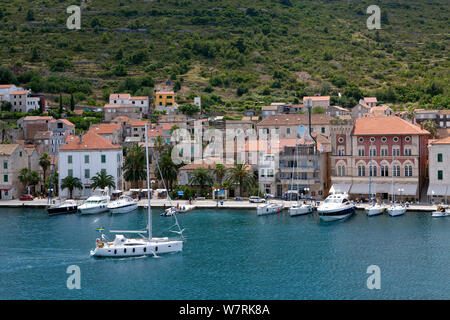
[26, 197]
[256, 199]
[238, 198]
[268, 196]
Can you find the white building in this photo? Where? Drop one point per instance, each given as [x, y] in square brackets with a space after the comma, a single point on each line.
[5, 91]
[439, 173]
[85, 156]
[141, 103]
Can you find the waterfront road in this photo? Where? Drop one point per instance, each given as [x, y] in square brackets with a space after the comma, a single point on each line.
[226, 204]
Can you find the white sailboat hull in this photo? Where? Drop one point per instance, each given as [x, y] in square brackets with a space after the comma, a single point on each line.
[93, 209]
[124, 208]
[374, 210]
[300, 210]
[138, 247]
[396, 211]
[267, 209]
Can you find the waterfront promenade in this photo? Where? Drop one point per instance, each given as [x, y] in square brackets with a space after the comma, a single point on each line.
[200, 204]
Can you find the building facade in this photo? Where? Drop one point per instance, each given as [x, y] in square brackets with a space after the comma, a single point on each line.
[439, 172]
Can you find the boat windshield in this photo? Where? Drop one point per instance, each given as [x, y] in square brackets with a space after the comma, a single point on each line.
[333, 200]
[92, 201]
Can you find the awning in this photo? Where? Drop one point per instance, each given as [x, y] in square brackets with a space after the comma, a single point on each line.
[439, 190]
[407, 189]
[340, 187]
[360, 188]
[381, 188]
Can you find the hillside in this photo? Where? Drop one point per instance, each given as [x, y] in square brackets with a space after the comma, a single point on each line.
[233, 53]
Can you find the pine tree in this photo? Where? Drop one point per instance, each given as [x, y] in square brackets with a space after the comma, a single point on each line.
[72, 103]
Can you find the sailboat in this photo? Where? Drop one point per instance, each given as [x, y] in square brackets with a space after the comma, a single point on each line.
[299, 208]
[395, 209]
[146, 245]
[374, 208]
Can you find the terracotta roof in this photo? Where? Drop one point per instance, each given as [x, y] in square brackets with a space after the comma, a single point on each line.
[295, 119]
[165, 92]
[42, 135]
[139, 123]
[444, 112]
[64, 121]
[442, 141]
[7, 149]
[32, 118]
[370, 100]
[5, 86]
[19, 92]
[154, 132]
[105, 128]
[90, 141]
[139, 98]
[317, 98]
[113, 106]
[386, 125]
[269, 108]
[119, 96]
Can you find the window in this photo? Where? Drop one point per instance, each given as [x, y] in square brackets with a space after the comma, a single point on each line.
[70, 173]
[373, 152]
[384, 151]
[69, 159]
[87, 173]
[439, 157]
[440, 175]
[384, 171]
[407, 139]
[86, 159]
[341, 151]
[5, 178]
[323, 130]
[20, 153]
[373, 171]
[408, 151]
[361, 171]
[384, 139]
[5, 165]
[288, 130]
[361, 140]
[341, 140]
[396, 151]
[103, 158]
[361, 152]
[372, 139]
[408, 171]
[396, 171]
[395, 139]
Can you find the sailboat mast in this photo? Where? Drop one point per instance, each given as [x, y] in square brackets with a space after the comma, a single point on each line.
[370, 172]
[393, 171]
[149, 223]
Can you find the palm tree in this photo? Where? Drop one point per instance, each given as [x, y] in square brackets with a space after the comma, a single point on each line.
[103, 180]
[169, 170]
[220, 171]
[71, 183]
[44, 162]
[201, 177]
[160, 144]
[135, 165]
[240, 175]
[28, 177]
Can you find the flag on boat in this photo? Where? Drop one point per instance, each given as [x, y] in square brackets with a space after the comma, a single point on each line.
[100, 229]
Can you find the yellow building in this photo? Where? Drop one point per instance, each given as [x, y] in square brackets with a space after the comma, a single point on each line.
[165, 99]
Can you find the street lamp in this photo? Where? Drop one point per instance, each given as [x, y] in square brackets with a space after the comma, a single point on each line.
[432, 196]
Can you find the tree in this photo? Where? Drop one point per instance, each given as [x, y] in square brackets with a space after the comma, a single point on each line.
[4, 128]
[220, 171]
[72, 102]
[430, 126]
[44, 162]
[135, 168]
[240, 175]
[71, 183]
[28, 178]
[201, 177]
[103, 180]
[60, 105]
[169, 170]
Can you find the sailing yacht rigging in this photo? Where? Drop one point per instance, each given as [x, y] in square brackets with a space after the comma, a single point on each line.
[374, 207]
[395, 209]
[126, 247]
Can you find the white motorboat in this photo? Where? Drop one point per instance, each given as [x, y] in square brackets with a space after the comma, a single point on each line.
[301, 209]
[375, 209]
[95, 204]
[396, 210]
[68, 206]
[130, 247]
[123, 205]
[441, 212]
[336, 207]
[269, 208]
[177, 210]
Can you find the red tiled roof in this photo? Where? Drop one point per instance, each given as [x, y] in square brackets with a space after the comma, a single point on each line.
[65, 121]
[370, 100]
[165, 92]
[442, 141]
[139, 123]
[139, 98]
[119, 96]
[386, 125]
[105, 128]
[90, 141]
[19, 92]
[5, 86]
[317, 98]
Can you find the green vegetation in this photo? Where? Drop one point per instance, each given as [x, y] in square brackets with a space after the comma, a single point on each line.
[244, 52]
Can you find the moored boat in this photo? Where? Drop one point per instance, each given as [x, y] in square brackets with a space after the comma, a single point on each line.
[375, 209]
[269, 208]
[336, 207]
[95, 204]
[396, 210]
[301, 209]
[68, 206]
[441, 212]
[123, 205]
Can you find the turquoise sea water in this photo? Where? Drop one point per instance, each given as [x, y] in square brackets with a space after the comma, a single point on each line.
[229, 254]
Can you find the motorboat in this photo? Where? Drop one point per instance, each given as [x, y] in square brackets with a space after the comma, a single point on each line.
[123, 205]
[441, 212]
[95, 204]
[269, 208]
[396, 209]
[375, 209]
[177, 210]
[336, 207]
[146, 245]
[301, 209]
[67, 206]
